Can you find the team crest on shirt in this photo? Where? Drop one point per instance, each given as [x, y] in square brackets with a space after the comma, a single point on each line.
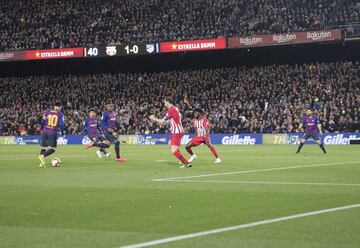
[111, 50]
[150, 48]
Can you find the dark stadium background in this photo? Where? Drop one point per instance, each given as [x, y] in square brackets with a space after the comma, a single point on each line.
[289, 54]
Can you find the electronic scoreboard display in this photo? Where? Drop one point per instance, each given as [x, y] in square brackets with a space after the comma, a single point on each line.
[122, 50]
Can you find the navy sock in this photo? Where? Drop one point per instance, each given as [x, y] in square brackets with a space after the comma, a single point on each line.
[300, 146]
[103, 150]
[49, 152]
[117, 149]
[42, 151]
[103, 145]
[322, 147]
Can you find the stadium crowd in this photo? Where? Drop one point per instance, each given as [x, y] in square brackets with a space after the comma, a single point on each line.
[39, 24]
[267, 99]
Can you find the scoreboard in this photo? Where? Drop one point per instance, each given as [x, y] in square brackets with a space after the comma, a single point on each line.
[122, 50]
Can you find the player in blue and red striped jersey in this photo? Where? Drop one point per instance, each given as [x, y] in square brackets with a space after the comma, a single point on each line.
[202, 128]
[109, 126]
[51, 123]
[91, 128]
[312, 130]
[173, 118]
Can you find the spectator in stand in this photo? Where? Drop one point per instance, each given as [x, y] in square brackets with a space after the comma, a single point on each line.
[266, 99]
[37, 24]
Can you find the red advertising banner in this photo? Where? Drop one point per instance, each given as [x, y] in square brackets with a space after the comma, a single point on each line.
[12, 56]
[62, 53]
[192, 45]
[289, 38]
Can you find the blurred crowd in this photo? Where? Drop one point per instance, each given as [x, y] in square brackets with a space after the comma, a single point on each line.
[261, 99]
[39, 24]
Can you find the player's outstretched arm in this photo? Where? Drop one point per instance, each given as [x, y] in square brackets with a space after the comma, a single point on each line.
[300, 127]
[319, 127]
[160, 121]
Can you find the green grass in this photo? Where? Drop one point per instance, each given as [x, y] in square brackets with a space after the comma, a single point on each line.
[90, 202]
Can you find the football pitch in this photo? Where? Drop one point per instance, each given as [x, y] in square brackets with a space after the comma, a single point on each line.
[260, 196]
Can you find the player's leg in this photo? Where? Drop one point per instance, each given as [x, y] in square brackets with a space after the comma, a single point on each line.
[91, 144]
[49, 151]
[176, 152]
[188, 147]
[302, 142]
[52, 142]
[117, 148]
[213, 151]
[105, 144]
[175, 141]
[317, 139]
[97, 142]
[44, 144]
[114, 138]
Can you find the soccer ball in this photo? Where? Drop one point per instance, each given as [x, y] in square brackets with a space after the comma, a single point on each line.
[55, 162]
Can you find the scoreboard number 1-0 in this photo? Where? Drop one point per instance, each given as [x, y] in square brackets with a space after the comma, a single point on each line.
[134, 49]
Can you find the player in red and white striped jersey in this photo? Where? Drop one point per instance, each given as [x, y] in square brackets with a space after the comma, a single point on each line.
[202, 127]
[173, 119]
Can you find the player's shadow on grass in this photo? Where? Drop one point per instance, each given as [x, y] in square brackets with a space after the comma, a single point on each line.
[308, 154]
[169, 163]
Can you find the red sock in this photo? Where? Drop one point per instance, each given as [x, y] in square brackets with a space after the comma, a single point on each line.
[180, 157]
[189, 150]
[212, 149]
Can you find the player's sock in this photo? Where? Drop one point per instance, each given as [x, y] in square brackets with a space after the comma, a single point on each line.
[117, 149]
[322, 147]
[212, 149]
[49, 152]
[103, 145]
[180, 157]
[42, 151]
[300, 146]
[102, 149]
[189, 150]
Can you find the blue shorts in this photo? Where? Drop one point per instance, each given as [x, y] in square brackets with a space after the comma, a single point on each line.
[111, 137]
[48, 140]
[314, 136]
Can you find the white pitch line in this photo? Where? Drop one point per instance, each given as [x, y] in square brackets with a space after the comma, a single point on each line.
[266, 182]
[238, 227]
[254, 171]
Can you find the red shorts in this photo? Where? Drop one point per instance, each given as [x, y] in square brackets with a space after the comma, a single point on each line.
[197, 140]
[175, 139]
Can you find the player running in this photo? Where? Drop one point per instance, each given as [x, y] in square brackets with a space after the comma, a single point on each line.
[52, 121]
[173, 118]
[202, 128]
[312, 130]
[91, 128]
[109, 125]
